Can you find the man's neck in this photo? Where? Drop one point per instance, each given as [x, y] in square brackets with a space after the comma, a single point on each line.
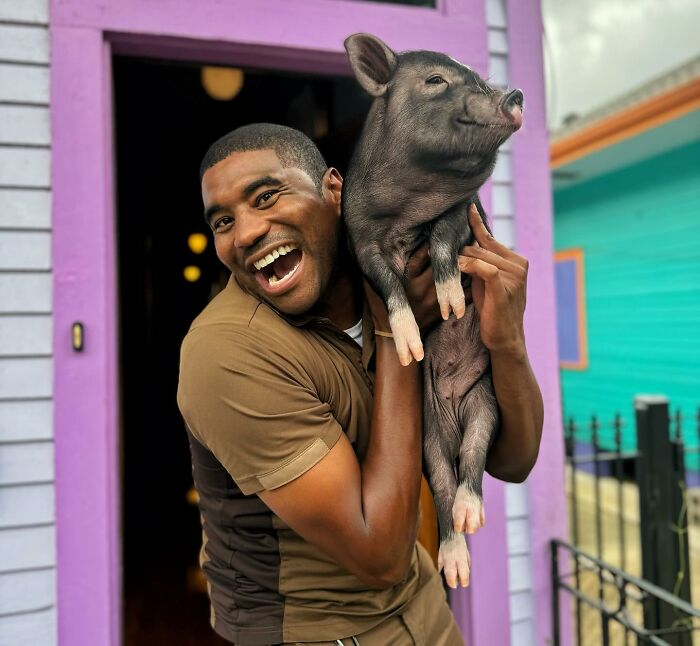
[342, 304]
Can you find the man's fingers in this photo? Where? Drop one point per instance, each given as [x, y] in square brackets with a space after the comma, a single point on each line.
[487, 241]
[494, 259]
[476, 267]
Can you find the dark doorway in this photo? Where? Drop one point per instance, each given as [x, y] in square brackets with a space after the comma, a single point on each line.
[165, 120]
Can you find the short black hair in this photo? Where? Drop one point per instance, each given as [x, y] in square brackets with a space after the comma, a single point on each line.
[293, 148]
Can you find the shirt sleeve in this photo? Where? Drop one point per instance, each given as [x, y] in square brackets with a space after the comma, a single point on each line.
[254, 407]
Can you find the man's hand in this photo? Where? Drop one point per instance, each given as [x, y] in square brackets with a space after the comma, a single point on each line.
[499, 282]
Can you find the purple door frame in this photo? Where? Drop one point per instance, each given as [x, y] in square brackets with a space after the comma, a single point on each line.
[304, 35]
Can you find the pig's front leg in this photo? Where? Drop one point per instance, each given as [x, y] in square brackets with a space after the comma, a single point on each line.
[448, 235]
[403, 324]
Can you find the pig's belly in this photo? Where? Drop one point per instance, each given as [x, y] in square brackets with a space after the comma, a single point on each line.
[456, 356]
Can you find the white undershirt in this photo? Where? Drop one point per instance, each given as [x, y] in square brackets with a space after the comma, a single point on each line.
[355, 332]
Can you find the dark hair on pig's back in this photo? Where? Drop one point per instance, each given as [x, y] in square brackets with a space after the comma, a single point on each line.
[293, 148]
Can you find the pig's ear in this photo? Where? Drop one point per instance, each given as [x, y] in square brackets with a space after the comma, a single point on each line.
[372, 61]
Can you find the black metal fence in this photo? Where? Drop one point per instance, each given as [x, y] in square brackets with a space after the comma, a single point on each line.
[645, 479]
[619, 609]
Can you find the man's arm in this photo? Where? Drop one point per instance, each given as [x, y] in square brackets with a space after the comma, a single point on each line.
[365, 516]
[499, 290]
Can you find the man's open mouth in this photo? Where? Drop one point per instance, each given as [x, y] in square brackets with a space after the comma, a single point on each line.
[277, 267]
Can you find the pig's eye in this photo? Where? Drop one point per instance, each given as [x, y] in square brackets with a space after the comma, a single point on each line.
[435, 79]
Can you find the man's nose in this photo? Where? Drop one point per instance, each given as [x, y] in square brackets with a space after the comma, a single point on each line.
[249, 228]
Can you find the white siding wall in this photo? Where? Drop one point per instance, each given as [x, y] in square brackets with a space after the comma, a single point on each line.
[522, 611]
[27, 527]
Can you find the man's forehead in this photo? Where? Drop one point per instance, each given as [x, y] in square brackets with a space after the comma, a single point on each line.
[238, 169]
[243, 164]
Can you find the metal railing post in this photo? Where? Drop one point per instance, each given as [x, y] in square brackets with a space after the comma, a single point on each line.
[554, 551]
[661, 505]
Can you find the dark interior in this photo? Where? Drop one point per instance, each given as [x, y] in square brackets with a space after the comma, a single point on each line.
[165, 120]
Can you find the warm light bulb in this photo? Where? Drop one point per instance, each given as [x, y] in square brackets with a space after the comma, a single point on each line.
[192, 273]
[222, 83]
[197, 242]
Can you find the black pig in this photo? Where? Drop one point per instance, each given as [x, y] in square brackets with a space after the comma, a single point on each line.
[428, 144]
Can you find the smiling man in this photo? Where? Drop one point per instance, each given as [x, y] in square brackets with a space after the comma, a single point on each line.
[305, 430]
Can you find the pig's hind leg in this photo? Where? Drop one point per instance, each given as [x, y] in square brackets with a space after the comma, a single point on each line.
[403, 324]
[479, 413]
[448, 235]
[440, 448]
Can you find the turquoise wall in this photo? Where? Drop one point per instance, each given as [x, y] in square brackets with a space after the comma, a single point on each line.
[640, 232]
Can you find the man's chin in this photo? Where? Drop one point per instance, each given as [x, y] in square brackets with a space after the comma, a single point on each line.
[293, 302]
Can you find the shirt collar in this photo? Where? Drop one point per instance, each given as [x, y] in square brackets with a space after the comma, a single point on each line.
[304, 320]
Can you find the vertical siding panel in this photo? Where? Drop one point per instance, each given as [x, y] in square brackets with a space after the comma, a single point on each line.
[25, 335]
[503, 214]
[24, 124]
[24, 463]
[24, 167]
[33, 629]
[27, 547]
[27, 494]
[23, 591]
[25, 293]
[24, 208]
[533, 237]
[26, 420]
[30, 504]
[29, 11]
[24, 44]
[24, 84]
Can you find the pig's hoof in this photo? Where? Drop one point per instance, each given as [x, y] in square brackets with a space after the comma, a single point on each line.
[450, 296]
[406, 336]
[453, 560]
[467, 511]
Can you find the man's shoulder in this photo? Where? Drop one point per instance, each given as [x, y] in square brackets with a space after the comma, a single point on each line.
[235, 322]
[231, 306]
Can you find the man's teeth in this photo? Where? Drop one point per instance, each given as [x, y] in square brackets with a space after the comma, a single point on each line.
[272, 256]
[273, 280]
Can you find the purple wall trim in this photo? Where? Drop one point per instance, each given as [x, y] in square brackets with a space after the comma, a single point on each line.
[315, 25]
[305, 35]
[533, 226]
[85, 386]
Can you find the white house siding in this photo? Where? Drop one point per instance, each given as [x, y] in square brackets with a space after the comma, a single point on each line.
[522, 611]
[27, 518]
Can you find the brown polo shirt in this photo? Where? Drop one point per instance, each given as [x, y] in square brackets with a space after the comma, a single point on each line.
[264, 398]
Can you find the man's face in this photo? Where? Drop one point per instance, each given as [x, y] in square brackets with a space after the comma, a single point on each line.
[271, 227]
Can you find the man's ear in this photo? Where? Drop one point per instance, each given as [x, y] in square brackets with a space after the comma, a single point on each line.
[332, 183]
[372, 61]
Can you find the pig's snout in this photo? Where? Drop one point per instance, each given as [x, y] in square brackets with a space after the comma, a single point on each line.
[512, 107]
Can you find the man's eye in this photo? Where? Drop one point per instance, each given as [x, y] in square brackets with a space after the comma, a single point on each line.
[223, 222]
[264, 197]
[435, 79]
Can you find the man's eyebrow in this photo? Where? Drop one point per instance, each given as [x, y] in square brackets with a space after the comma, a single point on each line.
[259, 183]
